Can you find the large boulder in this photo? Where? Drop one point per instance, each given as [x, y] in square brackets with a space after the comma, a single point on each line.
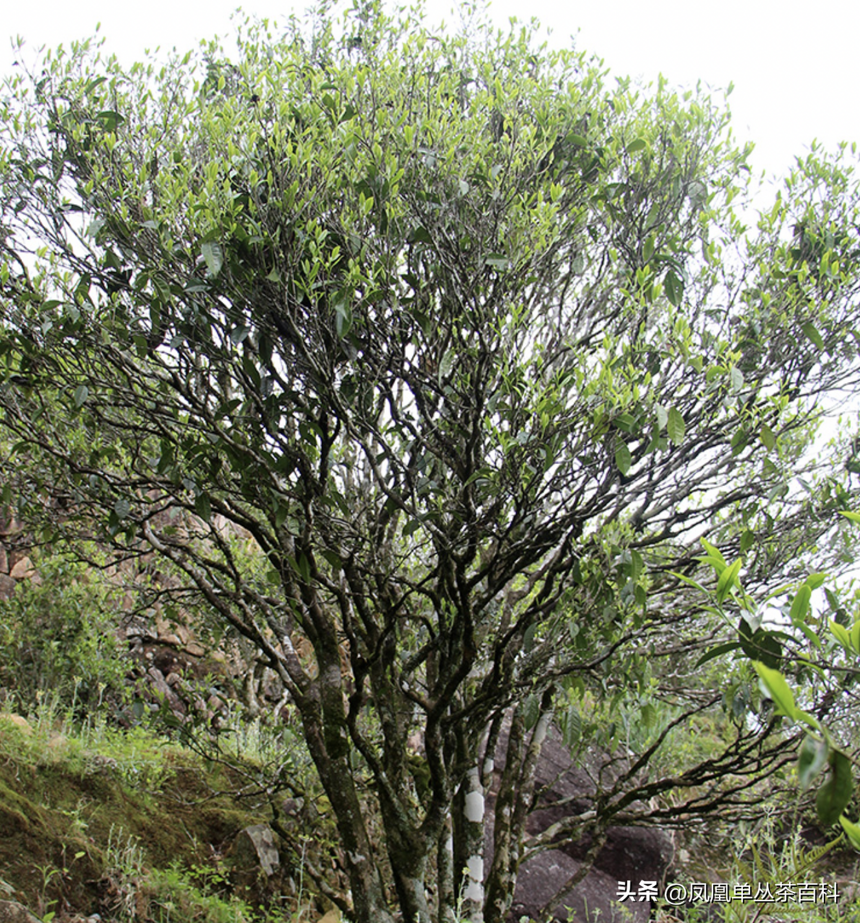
[255, 849]
[255, 866]
[630, 854]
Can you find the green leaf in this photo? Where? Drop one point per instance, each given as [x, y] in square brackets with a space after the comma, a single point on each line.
[333, 558]
[343, 317]
[203, 507]
[811, 636]
[648, 248]
[531, 711]
[623, 458]
[676, 427]
[852, 831]
[812, 334]
[717, 651]
[213, 256]
[529, 638]
[122, 508]
[571, 726]
[814, 581]
[737, 378]
[81, 394]
[855, 637]
[140, 344]
[811, 760]
[419, 234]
[800, 604]
[689, 581]
[727, 580]
[767, 437]
[239, 334]
[496, 261]
[841, 636]
[674, 288]
[777, 688]
[763, 646]
[412, 526]
[648, 715]
[638, 145]
[834, 795]
[714, 552]
[447, 364]
[110, 120]
[854, 517]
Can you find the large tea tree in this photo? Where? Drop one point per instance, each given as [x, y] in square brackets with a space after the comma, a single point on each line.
[474, 347]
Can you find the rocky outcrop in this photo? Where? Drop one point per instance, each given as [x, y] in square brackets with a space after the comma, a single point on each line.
[255, 851]
[633, 854]
[13, 912]
[15, 565]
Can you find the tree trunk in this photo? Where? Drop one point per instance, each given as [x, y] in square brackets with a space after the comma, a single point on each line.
[446, 895]
[471, 846]
[325, 730]
[513, 805]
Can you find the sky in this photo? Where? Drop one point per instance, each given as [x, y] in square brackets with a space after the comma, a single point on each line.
[793, 65]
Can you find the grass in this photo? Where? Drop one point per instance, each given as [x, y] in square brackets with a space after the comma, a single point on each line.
[120, 822]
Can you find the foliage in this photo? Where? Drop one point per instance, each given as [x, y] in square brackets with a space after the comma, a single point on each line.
[819, 654]
[58, 639]
[765, 862]
[473, 347]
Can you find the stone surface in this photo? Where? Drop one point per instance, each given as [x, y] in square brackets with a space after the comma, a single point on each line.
[22, 724]
[590, 901]
[22, 569]
[159, 683]
[7, 586]
[630, 854]
[13, 912]
[8, 524]
[255, 847]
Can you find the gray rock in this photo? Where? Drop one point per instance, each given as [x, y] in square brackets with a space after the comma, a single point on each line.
[255, 846]
[13, 912]
[634, 854]
[7, 586]
[159, 683]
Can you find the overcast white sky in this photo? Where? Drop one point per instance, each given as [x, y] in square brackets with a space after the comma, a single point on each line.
[794, 65]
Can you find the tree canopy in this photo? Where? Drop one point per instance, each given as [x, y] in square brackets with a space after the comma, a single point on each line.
[476, 345]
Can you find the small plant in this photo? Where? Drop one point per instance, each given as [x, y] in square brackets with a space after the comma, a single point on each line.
[176, 896]
[125, 872]
[48, 873]
[767, 861]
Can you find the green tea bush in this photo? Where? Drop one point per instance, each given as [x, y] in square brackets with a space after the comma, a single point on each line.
[58, 638]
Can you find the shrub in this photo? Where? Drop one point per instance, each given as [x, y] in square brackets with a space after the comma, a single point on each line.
[58, 637]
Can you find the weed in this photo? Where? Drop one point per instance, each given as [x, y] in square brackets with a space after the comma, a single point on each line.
[124, 873]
